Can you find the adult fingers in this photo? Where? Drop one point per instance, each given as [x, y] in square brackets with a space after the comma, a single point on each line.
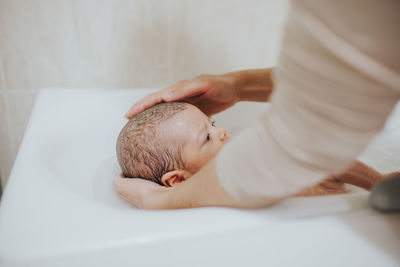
[141, 193]
[183, 90]
[176, 92]
[145, 103]
[122, 185]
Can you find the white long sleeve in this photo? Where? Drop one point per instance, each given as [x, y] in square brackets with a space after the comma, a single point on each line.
[337, 81]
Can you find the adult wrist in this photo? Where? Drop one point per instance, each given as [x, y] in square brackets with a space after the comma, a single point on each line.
[251, 85]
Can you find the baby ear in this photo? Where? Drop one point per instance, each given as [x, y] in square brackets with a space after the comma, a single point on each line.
[173, 178]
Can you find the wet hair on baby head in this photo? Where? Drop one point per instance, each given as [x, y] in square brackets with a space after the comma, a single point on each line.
[141, 150]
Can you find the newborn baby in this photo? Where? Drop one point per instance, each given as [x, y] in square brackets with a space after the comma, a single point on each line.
[170, 142]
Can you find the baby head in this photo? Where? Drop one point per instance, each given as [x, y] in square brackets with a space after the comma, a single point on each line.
[168, 143]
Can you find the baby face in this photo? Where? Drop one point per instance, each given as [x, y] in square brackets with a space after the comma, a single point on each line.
[200, 138]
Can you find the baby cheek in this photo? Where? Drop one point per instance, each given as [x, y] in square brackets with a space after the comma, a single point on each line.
[213, 150]
[196, 160]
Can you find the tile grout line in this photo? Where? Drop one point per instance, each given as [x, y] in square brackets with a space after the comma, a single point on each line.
[8, 121]
[2, 75]
[10, 136]
[2, 86]
[169, 57]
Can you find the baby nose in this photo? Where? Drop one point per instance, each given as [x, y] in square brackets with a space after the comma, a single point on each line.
[222, 134]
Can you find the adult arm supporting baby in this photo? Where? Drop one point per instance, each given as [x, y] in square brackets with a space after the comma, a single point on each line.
[202, 189]
[333, 93]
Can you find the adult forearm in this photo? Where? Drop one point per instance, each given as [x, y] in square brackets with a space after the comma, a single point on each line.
[252, 85]
[204, 189]
[360, 174]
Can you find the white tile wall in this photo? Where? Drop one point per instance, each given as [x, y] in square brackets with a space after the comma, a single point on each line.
[123, 44]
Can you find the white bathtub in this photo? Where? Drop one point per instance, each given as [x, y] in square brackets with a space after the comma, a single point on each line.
[59, 207]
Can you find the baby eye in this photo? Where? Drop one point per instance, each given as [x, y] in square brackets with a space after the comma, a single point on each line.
[208, 138]
[213, 123]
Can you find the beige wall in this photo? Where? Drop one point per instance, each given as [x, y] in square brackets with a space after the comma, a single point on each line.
[123, 44]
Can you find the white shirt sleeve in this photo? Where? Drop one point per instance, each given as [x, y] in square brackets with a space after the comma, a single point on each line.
[337, 81]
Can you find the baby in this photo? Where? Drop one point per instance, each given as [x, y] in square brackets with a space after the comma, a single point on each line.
[170, 142]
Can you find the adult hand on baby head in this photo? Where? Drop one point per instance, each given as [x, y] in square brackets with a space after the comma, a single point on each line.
[210, 93]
